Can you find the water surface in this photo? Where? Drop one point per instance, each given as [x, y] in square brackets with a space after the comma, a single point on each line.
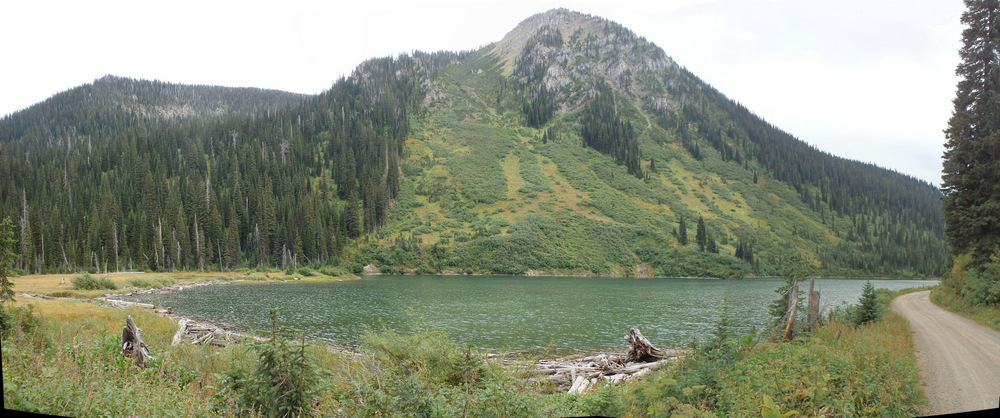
[501, 313]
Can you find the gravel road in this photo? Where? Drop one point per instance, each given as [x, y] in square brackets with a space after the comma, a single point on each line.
[959, 359]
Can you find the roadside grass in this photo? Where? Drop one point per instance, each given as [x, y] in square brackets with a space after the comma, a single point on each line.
[984, 315]
[868, 371]
[838, 370]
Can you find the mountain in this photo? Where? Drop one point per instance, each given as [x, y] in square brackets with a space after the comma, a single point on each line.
[570, 146]
[119, 103]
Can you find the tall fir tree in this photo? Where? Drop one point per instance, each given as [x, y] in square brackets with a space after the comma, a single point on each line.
[682, 232]
[972, 156]
[701, 235]
[7, 257]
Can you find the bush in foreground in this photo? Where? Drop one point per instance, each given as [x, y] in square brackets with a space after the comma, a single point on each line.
[285, 381]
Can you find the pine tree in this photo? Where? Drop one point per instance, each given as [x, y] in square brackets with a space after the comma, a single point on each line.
[972, 157]
[701, 235]
[6, 259]
[682, 233]
[868, 309]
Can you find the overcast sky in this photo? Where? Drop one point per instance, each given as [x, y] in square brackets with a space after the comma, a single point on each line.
[866, 80]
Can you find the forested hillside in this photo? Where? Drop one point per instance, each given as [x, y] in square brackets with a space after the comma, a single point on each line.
[570, 146]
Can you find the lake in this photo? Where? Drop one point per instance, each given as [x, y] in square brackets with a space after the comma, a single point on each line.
[506, 313]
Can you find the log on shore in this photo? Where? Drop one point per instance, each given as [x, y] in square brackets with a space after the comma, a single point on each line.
[200, 333]
[115, 303]
[579, 374]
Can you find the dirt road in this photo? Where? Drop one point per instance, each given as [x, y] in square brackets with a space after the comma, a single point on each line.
[959, 359]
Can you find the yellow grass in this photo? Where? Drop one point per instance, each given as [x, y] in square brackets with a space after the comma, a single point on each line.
[48, 284]
[567, 193]
[512, 170]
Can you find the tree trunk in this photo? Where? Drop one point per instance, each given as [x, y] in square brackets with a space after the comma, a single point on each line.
[132, 345]
[793, 305]
[813, 316]
[641, 349]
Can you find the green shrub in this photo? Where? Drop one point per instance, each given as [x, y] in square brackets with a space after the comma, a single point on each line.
[336, 271]
[17, 319]
[285, 382]
[426, 374]
[155, 282]
[87, 282]
[982, 286]
[868, 306]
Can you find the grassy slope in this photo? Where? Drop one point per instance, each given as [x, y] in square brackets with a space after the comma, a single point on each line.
[472, 173]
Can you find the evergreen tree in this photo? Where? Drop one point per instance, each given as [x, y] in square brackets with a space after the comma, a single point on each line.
[972, 156]
[701, 235]
[7, 256]
[868, 309]
[682, 232]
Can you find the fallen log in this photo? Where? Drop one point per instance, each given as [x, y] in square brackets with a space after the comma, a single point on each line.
[181, 332]
[580, 373]
[114, 303]
[132, 344]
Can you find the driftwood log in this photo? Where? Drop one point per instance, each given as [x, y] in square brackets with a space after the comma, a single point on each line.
[577, 373]
[641, 349]
[132, 345]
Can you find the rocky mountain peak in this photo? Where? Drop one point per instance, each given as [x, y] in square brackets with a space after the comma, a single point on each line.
[567, 52]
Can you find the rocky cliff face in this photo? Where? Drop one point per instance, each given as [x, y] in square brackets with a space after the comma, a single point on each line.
[566, 52]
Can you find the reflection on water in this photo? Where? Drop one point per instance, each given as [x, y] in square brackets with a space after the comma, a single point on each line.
[501, 313]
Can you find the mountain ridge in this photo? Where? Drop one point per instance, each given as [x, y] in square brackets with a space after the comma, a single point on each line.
[570, 146]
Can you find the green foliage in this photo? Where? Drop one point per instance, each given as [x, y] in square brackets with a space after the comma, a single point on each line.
[17, 319]
[779, 306]
[285, 382]
[984, 315]
[155, 282]
[606, 131]
[7, 256]
[970, 175]
[772, 410]
[869, 310]
[45, 372]
[425, 374]
[87, 282]
[868, 371]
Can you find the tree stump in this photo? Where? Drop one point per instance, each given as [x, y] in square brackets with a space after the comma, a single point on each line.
[641, 349]
[132, 345]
